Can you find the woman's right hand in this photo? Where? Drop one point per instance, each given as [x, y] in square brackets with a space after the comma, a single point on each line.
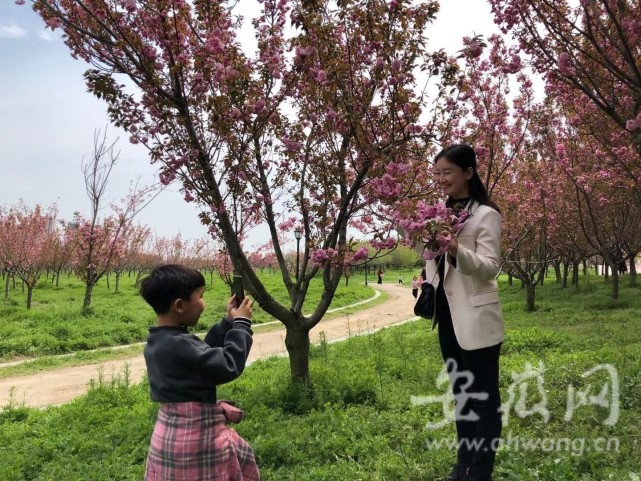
[244, 310]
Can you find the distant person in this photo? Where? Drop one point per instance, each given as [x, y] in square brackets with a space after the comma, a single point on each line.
[191, 440]
[400, 279]
[380, 275]
[415, 286]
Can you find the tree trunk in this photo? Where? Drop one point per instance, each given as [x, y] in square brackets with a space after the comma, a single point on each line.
[6, 287]
[509, 280]
[347, 281]
[596, 268]
[633, 271]
[108, 288]
[557, 271]
[585, 267]
[117, 274]
[58, 278]
[606, 272]
[615, 282]
[530, 288]
[297, 344]
[29, 295]
[566, 268]
[575, 274]
[88, 290]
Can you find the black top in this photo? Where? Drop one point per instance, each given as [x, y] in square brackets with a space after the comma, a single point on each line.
[183, 368]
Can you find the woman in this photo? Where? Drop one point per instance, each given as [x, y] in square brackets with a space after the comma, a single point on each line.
[468, 313]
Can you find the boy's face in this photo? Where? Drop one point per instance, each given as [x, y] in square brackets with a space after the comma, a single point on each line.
[193, 308]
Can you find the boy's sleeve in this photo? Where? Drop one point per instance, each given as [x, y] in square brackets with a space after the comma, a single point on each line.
[216, 334]
[225, 363]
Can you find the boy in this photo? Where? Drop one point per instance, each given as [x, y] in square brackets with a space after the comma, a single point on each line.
[191, 440]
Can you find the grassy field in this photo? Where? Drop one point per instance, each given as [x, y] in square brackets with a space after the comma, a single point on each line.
[359, 423]
[55, 324]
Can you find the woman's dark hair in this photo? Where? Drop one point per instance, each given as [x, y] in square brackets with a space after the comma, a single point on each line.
[167, 283]
[464, 156]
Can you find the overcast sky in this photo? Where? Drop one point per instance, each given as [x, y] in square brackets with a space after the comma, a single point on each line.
[47, 118]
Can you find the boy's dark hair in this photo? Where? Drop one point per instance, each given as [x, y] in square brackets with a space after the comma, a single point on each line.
[167, 283]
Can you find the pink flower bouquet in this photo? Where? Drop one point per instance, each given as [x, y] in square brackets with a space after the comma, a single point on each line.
[433, 226]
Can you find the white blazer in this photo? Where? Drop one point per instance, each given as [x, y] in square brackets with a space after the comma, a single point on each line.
[470, 287]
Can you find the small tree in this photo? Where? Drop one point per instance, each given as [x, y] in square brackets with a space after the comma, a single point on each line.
[26, 239]
[98, 244]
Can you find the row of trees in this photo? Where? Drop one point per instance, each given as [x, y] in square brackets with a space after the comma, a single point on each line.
[35, 243]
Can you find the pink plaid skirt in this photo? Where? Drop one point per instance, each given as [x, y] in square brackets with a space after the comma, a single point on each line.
[192, 442]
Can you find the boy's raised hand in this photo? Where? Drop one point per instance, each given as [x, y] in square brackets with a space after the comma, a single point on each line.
[244, 310]
[231, 305]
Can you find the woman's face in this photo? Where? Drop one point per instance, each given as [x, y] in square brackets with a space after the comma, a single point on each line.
[453, 180]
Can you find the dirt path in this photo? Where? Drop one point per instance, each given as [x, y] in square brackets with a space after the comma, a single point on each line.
[62, 385]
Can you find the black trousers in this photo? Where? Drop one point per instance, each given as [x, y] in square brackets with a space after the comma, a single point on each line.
[477, 439]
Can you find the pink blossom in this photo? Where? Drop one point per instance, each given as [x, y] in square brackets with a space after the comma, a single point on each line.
[361, 254]
[53, 22]
[564, 64]
[319, 257]
[474, 50]
[130, 5]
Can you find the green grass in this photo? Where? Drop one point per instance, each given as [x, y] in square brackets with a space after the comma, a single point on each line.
[358, 423]
[55, 324]
[47, 363]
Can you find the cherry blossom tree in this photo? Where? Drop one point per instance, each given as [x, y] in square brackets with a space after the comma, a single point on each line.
[26, 238]
[590, 46]
[311, 123]
[60, 253]
[99, 243]
[134, 238]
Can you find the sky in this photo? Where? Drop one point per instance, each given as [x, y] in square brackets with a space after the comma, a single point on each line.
[47, 119]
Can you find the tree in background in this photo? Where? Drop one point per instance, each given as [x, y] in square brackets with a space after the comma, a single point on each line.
[134, 239]
[97, 244]
[27, 238]
[590, 47]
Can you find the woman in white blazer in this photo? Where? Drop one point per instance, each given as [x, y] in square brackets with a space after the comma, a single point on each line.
[468, 313]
